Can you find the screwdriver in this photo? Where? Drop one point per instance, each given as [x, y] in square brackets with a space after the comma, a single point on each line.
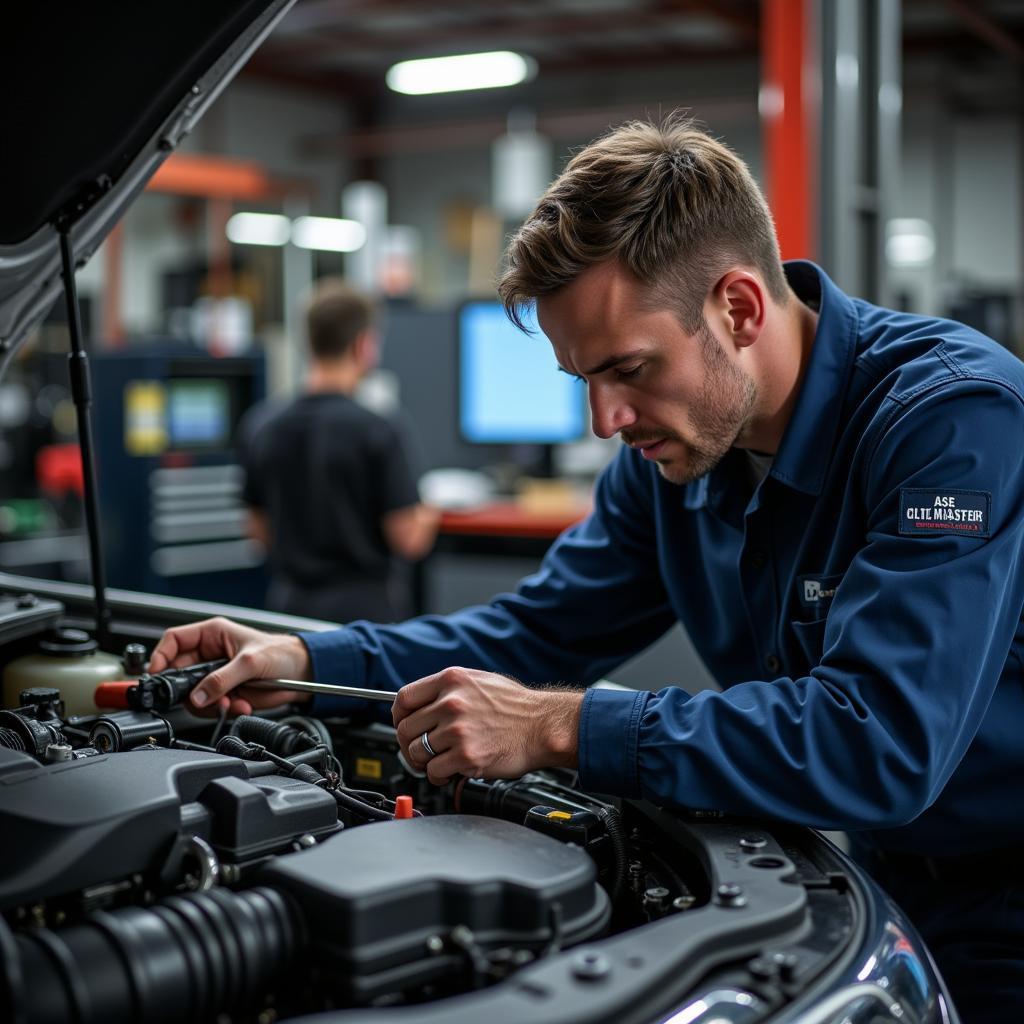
[335, 691]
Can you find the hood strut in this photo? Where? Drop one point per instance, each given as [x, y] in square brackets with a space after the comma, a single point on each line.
[81, 391]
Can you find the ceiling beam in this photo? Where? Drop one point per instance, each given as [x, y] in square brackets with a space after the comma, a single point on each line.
[490, 30]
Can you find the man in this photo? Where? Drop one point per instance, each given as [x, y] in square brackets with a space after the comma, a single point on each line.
[828, 495]
[328, 482]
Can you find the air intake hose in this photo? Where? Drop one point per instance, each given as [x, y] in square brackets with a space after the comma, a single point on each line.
[191, 957]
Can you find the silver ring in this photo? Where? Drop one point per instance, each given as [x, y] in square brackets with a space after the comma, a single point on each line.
[431, 752]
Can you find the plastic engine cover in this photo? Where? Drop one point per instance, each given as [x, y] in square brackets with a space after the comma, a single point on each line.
[79, 823]
[76, 824]
[374, 895]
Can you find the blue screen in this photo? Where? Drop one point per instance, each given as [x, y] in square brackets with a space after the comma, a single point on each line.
[510, 388]
[198, 413]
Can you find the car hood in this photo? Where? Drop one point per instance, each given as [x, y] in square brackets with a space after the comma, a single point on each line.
[98, 96]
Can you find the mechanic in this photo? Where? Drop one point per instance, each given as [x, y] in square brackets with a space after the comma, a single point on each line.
[828, 495]
[329, 484]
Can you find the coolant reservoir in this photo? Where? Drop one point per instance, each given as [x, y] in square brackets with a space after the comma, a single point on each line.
[69, 660]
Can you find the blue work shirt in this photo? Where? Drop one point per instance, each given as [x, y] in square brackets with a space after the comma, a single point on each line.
[860, 605]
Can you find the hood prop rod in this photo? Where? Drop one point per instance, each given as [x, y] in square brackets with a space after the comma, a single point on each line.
[81, 392]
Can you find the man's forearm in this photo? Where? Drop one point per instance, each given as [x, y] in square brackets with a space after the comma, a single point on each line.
[558, 728]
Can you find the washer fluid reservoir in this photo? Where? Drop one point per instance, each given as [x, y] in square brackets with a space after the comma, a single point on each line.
[68, 659]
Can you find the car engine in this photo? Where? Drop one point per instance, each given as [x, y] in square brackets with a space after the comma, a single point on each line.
[161, 867]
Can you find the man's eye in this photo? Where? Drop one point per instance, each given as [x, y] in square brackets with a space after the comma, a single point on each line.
[625, 373]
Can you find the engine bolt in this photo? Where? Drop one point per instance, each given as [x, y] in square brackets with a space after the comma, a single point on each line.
[435, 945]
[762, 968]
[655, 898]
[731, 895]
[590, 966]
[787, 964]
[752, 843]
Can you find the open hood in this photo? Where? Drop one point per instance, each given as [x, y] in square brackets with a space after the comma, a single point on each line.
[97, 97]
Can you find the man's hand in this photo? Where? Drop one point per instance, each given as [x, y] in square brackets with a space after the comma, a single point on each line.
[484, 725]
[254, 655]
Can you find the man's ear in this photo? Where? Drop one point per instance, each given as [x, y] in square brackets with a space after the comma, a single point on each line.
[739, 302]
[367, 349]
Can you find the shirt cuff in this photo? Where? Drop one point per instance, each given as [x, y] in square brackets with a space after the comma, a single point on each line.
[336, 658]
[608, 740]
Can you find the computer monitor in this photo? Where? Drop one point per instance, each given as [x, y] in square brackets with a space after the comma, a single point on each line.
[198, 413]
[510, 388]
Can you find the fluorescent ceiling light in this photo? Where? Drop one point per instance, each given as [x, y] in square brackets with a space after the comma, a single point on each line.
[910, 242]
[258, 229]
[465, 71]
[332, 234]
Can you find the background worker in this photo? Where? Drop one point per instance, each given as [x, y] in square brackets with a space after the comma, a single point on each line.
[329, 484]
[827, 494]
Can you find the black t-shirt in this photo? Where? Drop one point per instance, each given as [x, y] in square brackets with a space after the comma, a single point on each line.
[325, 471]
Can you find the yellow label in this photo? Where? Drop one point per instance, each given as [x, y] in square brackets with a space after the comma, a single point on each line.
[368, 768]
[145, 417]
[559, 815]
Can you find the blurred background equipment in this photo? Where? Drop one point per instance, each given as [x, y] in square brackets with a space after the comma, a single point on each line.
[173, 517]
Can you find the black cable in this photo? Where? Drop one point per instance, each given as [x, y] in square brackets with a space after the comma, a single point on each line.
[354, 801]
[356, 806]
[219, 728]
[371, 796]
[177, 744]
[617, 837]
[375, 799]
[310, 725]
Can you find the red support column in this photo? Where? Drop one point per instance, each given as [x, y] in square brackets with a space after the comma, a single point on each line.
[788, 106]
[112, 333]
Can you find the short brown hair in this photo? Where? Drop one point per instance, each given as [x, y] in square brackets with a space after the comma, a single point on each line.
[673, 205]
[336, 315]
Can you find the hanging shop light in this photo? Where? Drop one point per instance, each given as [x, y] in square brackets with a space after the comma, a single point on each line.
[328, 234]
[258, 229]
[462, 72]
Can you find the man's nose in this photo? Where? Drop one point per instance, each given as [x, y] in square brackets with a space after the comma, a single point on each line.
[608, 414]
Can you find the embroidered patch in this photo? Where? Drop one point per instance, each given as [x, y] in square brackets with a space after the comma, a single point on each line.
[816, 591]
[924, 511]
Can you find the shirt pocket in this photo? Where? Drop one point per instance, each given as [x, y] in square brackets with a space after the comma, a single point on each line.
[811, 638]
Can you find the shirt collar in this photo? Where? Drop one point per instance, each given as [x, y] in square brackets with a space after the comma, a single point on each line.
[806, 450]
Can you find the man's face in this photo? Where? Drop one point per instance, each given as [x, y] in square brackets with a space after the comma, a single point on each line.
[677, 397]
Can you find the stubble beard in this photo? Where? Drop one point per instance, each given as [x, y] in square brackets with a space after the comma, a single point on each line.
[723, 411]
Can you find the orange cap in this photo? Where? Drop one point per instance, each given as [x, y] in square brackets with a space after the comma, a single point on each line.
[113, 695]
[403, 806]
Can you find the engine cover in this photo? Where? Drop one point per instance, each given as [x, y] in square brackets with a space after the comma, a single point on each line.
[373, 896]
[81, 823]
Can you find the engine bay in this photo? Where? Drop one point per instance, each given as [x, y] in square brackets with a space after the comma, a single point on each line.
[164, 867]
